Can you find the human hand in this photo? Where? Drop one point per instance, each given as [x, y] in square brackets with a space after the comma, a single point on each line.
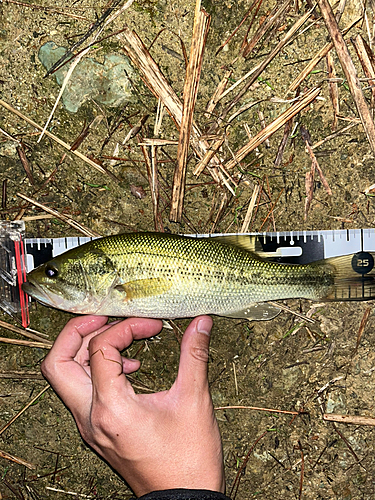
[155, 441]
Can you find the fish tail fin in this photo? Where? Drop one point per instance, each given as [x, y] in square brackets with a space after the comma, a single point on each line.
[354, 277]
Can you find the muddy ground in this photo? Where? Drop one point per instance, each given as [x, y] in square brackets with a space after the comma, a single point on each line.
[272, 365]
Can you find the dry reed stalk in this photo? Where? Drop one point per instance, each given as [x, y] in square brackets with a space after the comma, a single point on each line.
[367, 59]
[25, 333]
[204, 162]
[80, 227]
[159, 86]
[157, 142]
[198, 42]
[349, 419]
[333, 88]
[152, 174]
[272, 127]
[316, 59]
[283, 42]
[58, 140]
[218, 93]
[349, 70]
[8, 424]
[250, 210]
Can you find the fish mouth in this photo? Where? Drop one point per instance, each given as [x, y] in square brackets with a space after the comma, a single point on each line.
[37, 292]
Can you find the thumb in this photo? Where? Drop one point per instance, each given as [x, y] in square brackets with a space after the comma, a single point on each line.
[192, 371]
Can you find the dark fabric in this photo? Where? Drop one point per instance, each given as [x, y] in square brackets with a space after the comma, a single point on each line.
[183, 494]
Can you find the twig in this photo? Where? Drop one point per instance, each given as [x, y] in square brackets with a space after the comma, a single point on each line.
[350, 448]
[362, 327]
[26, 343]
[236, 482]
[159, 86]
[17, 460]
[72, 493]
[349, 419]
[277, 12]
[24, 409]
[237, 27]
[45, 8]
[270, 212]
[80, 227]
[200, 31]
[25, 333]
[22, 375]
[58, 140]
[283, 143]
[332, 136]
[316, 59]
[271, 128]
[349, 70]
[295, 313]
[72, 67]
[270, 410]
[309, 183]
[285, 40]
[106, 18]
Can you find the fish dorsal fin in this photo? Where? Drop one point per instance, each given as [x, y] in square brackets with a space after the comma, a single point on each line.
[246, 241]
[255, 312]
[139, 289]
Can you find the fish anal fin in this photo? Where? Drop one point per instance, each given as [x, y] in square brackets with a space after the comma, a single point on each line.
[148, 287]
[255, 312]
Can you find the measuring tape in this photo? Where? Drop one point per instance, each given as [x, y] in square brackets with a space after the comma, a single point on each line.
[19, 255]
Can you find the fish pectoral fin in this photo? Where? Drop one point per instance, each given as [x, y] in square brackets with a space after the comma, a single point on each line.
[256, 312]
[149, 287]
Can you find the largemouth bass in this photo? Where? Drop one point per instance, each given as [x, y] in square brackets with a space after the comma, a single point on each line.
[169, 276]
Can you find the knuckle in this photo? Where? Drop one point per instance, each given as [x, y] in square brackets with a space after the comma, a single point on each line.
[200, 353]
[48, 367]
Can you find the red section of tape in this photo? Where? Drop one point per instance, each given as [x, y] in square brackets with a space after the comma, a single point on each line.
[21, 278]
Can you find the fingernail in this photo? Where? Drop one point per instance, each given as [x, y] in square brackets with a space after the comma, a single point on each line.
[204, 326]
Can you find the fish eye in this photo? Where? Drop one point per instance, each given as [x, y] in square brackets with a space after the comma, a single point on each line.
[51, 272]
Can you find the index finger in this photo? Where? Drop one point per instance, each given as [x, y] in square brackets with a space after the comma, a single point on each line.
[65, 375]
[106, 364]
